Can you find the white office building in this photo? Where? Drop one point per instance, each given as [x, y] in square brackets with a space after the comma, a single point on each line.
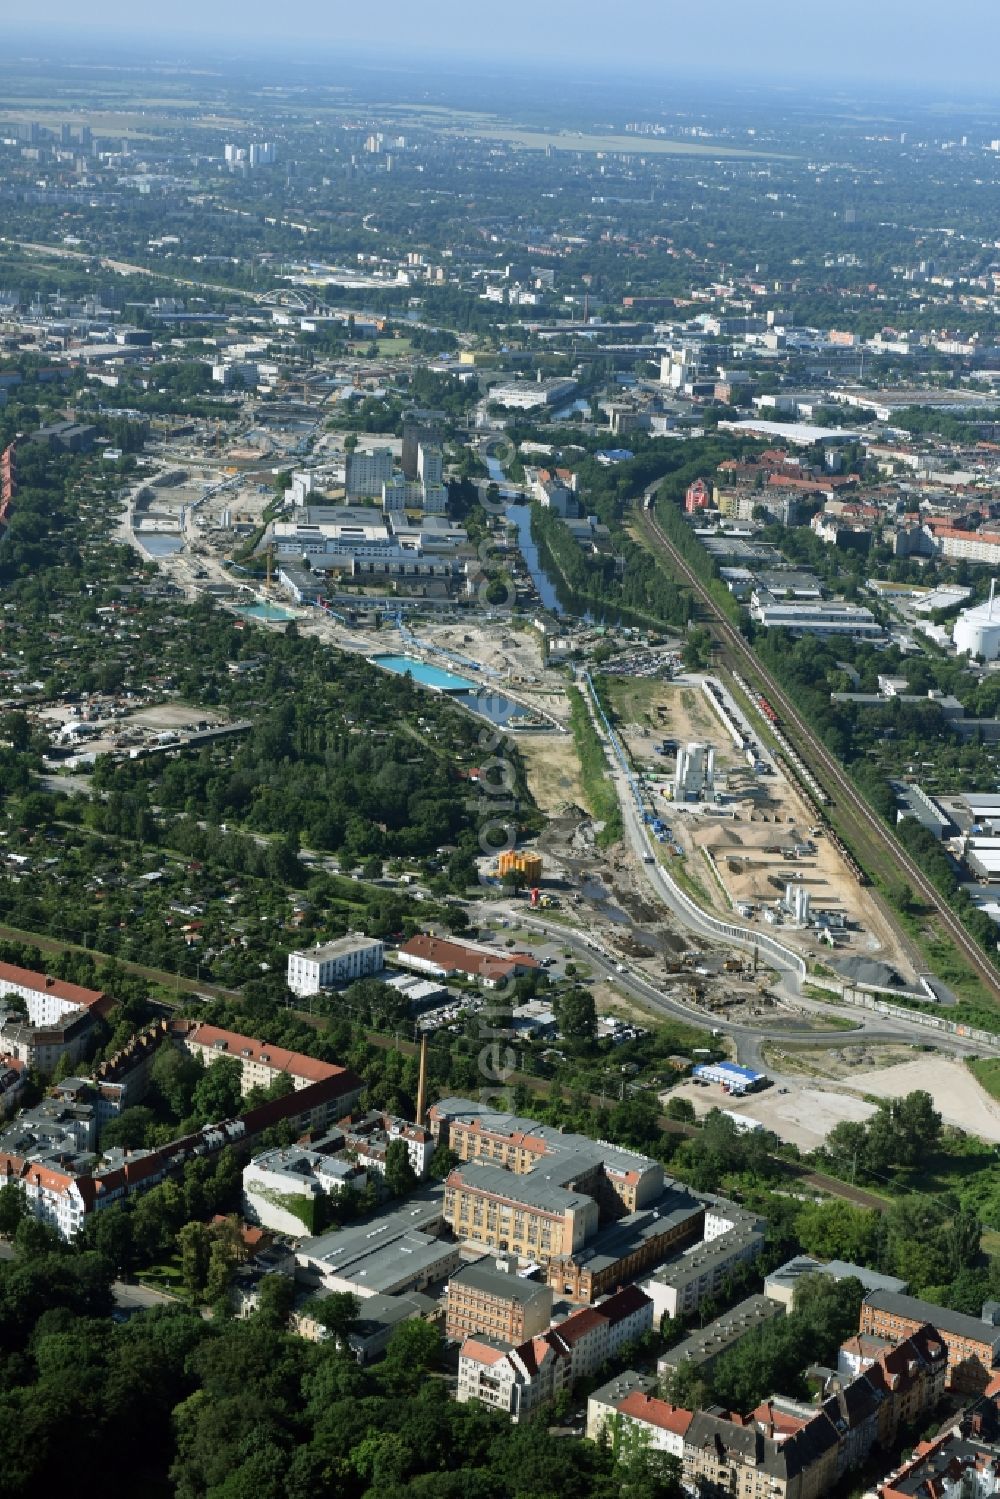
[435, 499]
[430, 463]
[341, 962]
[528, 395]
[830, 617]
[400, 493]
[367, 472]
[280, 1186]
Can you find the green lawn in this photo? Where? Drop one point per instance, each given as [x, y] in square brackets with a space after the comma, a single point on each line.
[986, 1070]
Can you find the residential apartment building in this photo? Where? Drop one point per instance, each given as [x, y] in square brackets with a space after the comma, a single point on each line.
[679, 1287]
[53, 1019]
[595, 1335]
[430, 463]
[419, 427]
[367, 472]
[519, 1380]
[434, 499]
[961, 1462]
[47, 1000]
[368, 1139]
[786, 1448]
[973, 1345]
[329, 964]
[967, 546]
[602, 1403]
[63, 1191]
[399, 494]
[702, 1348]
[488, 1296]
[261, 1063]
[662, 1427]
[13, 1081]
[731, 1457]
[516, 1381]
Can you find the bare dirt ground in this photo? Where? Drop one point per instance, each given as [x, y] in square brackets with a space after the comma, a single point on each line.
[771, 817]
[650, 709]
[846, 1063]
[802, 1115]
[173, 715]
[518, 652]
[957, 1095]
[553, 770]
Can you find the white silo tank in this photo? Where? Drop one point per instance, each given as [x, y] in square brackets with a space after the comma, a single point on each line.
[800, 908]
[977, 630]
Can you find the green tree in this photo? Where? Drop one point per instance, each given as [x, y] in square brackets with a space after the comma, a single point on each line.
[195, 1244]
[13, 1208]
[684, 1386]
[218, 1092]
[400, 1177]
[337, 1312]
[577, 1015]
[276, 1298]
[414, 1351]
[173, 1077]
[110, 1235]
[130, 1129]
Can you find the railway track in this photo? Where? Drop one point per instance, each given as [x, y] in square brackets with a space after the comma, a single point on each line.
[837, 783]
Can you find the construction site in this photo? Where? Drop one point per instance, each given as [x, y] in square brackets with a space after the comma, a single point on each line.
[737, 829]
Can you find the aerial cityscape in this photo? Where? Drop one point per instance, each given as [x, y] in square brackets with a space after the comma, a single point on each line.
[499, 757]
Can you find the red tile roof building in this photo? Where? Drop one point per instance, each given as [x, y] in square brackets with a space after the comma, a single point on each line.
[519, 1380]
[663, 1425]
[595, 1335]
[446, 959]
[47, 998]
[59, 1019]
[261, 1062]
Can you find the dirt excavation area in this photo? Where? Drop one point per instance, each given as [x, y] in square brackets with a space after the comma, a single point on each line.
[958, 1097]
[748, 833]
[803, 1112]
[802, 1115]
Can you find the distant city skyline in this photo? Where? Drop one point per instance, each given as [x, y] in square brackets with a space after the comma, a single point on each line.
[888, 41]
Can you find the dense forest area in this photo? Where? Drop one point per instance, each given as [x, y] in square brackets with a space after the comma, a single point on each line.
[169, 1404]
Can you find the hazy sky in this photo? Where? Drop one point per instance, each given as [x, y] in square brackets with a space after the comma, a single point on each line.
[945, 45]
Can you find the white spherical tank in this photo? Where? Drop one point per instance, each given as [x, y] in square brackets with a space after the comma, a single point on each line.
[977, 632]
